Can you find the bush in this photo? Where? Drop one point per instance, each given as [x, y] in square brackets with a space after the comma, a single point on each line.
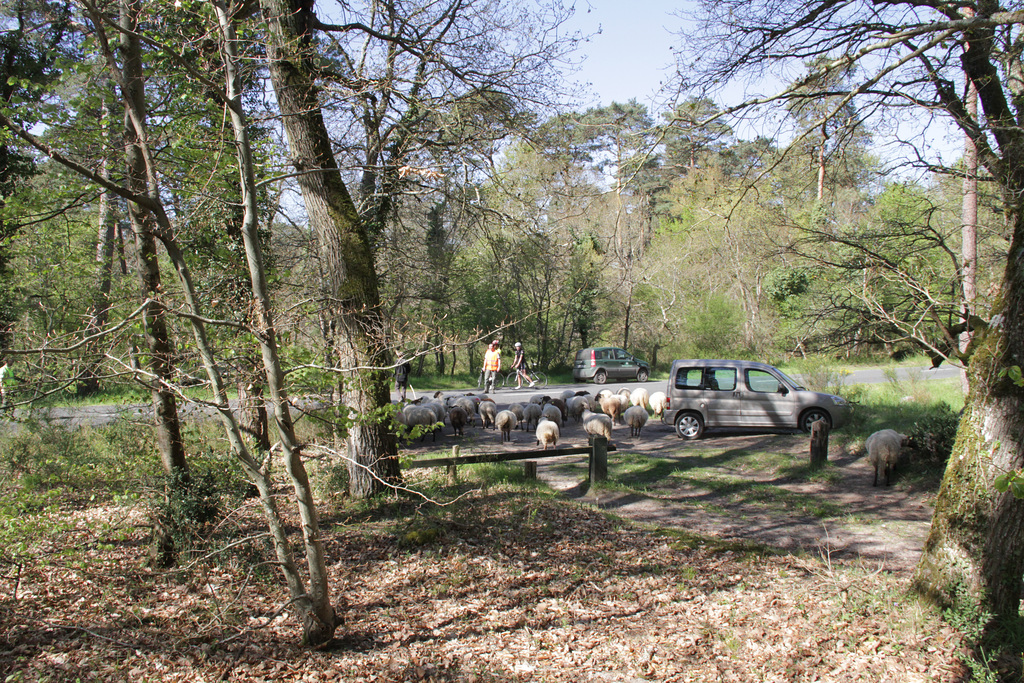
[932, 435]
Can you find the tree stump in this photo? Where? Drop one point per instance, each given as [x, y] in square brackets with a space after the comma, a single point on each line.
[530, 469]
[819, 443]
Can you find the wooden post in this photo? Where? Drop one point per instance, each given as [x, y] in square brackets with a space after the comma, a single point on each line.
[530, 469]
[598, 458]
[453, 469]
[819, 443]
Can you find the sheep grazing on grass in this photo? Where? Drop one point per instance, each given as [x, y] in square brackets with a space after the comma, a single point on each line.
[457, 416]
[636, 418]
[551, 412]
[531, 415]
[547, 433]
[506, 421]
[640, 397]
[575, 407]
[597, 424]
[658, 402]
[612, 407]
[884, 452]
[488, 410]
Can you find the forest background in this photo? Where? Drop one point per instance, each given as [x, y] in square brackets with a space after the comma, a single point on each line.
[154, 154]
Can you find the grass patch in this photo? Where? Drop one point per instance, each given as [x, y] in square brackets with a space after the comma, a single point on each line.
[688, 540]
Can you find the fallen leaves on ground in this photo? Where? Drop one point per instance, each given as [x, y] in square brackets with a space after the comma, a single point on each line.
[508, 586]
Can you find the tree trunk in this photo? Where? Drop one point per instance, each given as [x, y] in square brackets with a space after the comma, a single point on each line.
[351, 283]
[969, 230]
[165, 408]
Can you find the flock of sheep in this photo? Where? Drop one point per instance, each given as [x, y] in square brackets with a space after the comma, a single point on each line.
[546, 415]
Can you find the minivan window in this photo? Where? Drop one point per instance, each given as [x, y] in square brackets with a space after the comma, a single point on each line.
[688, 378]
[762, 382]
[721, 379]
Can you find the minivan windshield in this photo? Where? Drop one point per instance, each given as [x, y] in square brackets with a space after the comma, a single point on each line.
[790, 381]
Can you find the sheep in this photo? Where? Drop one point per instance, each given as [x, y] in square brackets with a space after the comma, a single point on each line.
[624, 392]
[438, 408]
[604, 392]
[551, 412]
[640, 397]
[560, 404]
[539, 399]
[658, 402]
[547, 433]
[597, 424]
[517, 410]
[469, 405]
[884, 452]
[592, 404]
[636, 418]
[575, 407]
[506, 421]
[531, 414]
[457, 416]
[612, 407]
[421, 416]
[566, 395]
[488, 409]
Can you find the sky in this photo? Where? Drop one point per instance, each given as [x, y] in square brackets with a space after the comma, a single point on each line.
[629, 57]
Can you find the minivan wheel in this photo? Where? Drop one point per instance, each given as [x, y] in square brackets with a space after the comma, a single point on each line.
[689, 426]
[601, 377]
[642, 376]
[812, 416]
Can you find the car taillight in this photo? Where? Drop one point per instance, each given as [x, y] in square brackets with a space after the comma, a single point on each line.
[593, 359]
[668, 403]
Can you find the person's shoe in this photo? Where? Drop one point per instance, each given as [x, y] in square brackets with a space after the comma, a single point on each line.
[533, 384]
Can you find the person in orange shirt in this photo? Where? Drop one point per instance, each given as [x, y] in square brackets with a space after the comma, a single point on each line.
[492, 365]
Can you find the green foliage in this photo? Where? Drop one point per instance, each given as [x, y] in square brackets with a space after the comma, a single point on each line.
[933, 434]
[714, 329]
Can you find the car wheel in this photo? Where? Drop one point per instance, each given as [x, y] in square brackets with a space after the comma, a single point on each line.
[601, 377]
[812, 416]
[642, 376]
[690, 426]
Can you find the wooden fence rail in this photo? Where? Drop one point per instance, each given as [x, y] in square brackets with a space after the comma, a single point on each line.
[597, 452]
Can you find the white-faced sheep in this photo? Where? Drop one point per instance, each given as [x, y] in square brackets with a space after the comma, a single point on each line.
[506, 421]
[612, 407]
[547, 433]
[488, 410]
[575, 406]
[658, 402]
[636, 418]
[640, 397]
[531, 415]
[884, 452]
[457, 416]
[597, 424]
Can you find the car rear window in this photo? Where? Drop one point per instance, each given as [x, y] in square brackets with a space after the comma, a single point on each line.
[688, 378]
[721, 379]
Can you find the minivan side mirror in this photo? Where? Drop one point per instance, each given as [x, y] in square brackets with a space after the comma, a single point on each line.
[783, 390]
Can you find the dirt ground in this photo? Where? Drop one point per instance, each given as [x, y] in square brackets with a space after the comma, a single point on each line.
[884, 526]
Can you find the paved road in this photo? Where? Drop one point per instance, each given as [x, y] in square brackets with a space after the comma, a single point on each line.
[99, 415]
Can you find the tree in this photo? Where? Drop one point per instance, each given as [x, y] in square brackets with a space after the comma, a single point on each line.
[910, 56]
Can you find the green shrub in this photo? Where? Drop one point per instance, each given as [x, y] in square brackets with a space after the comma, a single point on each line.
[933, 434]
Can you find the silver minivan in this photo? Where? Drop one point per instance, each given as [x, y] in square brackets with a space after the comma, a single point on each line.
[706, 394]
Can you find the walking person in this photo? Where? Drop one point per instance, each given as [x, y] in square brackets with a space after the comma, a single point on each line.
[520, 366]
[402, 371]
[492, 365]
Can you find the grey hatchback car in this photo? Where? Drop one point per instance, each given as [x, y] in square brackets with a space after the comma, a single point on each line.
[736, 393]
[602, 363]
